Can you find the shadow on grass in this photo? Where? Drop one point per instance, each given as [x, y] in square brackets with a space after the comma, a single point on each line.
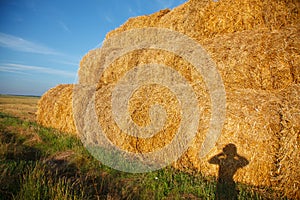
[53, 179]
[16, 150]
[15, 157]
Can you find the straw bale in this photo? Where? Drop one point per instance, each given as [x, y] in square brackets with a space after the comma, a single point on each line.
[257, 59]
[55, 109]
[91, 59]
[207, 19]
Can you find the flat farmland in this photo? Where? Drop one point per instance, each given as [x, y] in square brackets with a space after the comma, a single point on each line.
[23, 107]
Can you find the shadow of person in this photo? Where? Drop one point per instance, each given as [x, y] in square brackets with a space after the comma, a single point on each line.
[229, 162]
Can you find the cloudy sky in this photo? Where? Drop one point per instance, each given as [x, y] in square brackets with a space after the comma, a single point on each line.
[42, 41]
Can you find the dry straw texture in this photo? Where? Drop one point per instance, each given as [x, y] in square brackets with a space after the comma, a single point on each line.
[144, 97]
[55, 109]
[251, 124]
[256, 47]
[288, 157]
[257, 59]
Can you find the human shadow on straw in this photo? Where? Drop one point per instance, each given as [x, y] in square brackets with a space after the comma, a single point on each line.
[229, 162]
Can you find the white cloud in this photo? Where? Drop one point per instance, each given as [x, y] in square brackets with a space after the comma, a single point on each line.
[20, 44]
[76, 64]
[7, 69]
[19, 68]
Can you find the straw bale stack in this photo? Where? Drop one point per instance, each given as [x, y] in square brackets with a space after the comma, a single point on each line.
[204, 20]
[55, 109]
[253, 119]
[266, 58]
[256, 59]
[252, 123]
[256, 47]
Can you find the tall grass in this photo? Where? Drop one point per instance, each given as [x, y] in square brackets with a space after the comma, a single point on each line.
[36, 185]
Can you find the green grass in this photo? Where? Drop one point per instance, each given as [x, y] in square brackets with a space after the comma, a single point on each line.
[42, 163]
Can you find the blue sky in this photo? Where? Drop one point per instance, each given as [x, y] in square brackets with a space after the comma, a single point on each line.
[43, 41]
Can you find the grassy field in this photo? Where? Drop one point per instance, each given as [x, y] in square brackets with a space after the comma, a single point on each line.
[43, 163]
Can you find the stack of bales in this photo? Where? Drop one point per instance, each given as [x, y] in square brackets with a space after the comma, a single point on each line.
[256, 47]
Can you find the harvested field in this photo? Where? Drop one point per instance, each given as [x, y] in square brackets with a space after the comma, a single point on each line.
[20, 106]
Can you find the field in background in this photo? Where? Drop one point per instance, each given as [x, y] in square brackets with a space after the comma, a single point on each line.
[19, 106]
[43, 163]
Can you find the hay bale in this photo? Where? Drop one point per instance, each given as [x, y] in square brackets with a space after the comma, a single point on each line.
[55, 109]
[257, 59]
[207, 19]
[255, 45]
